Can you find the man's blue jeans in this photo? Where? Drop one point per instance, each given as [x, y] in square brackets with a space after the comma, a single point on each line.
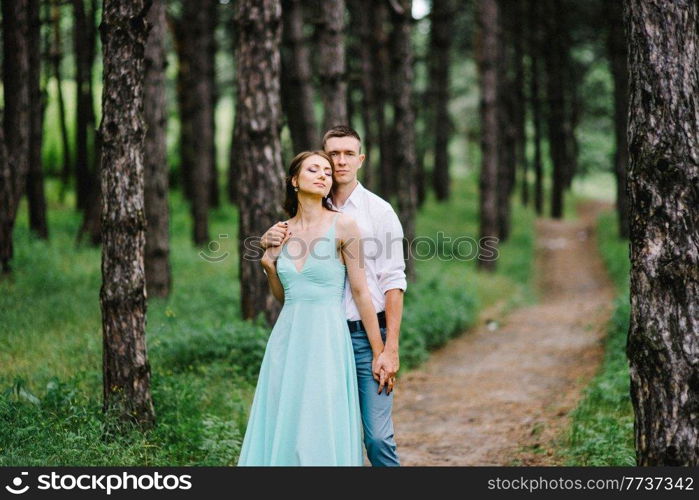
[376, 408]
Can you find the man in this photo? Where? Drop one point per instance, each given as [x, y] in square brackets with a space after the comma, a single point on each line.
[382, 236]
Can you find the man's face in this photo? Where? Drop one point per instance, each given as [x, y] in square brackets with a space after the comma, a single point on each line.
[345, 154]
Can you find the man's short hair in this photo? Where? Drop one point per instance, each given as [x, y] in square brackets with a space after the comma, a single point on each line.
[342, 131]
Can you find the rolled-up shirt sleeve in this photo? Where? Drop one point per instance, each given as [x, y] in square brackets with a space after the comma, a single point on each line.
[390, 263]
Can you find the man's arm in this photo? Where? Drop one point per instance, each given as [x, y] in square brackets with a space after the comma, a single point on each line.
[390, 266]
[394, 314]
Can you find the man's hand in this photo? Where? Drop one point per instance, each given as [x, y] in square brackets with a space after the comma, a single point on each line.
[269, 258]
[275, 235]
[375, 370]
[387, 364]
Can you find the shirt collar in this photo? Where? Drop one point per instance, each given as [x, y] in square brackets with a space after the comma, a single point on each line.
[354, 197]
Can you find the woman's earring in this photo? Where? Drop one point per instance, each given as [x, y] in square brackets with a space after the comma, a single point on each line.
[296, 189]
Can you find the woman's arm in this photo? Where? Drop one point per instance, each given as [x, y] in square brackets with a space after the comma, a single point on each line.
[354, 261]
[269, 264]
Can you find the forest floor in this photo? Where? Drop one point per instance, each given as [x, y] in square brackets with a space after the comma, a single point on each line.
[501, 393]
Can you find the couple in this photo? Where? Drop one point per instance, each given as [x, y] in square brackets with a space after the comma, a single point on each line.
[330, 364]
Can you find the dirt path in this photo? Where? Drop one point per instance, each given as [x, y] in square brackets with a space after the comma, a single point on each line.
[500, 396]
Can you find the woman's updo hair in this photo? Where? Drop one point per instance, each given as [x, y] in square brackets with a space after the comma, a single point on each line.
[291, 203]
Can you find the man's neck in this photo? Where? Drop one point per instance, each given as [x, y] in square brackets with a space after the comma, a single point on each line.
[342, 192]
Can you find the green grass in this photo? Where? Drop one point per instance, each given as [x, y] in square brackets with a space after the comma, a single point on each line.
[204, 357]
[601, 430]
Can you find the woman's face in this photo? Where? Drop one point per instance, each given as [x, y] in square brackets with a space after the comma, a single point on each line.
[315, 176]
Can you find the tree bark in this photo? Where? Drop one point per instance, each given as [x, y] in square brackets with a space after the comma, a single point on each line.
[212, 48]
[56, 56]
[616, 46]
[257, 143]
[361, 13]
[234, 166]
[6, 203]
[441, 33]
[126, 370]
[85, 41]
[16, 119]
[35, 176]
[488, 19]
[506, 116]
[663, 341]
[534, 44]
[404, 124]
[519, 97]
[84, 173]
[185, 105]
[331, 63]
[573, 100]
[297, 86]
[383, 83]
[556, 104]
[194, 90]
[157, 261]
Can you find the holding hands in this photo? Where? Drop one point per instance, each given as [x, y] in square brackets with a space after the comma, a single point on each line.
[384, 367]
[275, 235]
[273, 241]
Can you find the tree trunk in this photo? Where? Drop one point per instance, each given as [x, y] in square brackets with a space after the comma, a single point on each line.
[194, 92]
[90, 229]
[404, 123]
[573, 106]
[234, 166]
[351, 58]
[383, 83]
[35, 176]
[157, 262]
[506, 116]
[488, 19]
[185, 105]
[232, 175]
[556, 104]
[84, 174]
[331, 63]
[519, 97]
[257, 143]
[6, 203]
[16, 119]
[616, 46]
[85, 56]
[570, 74]
[297, 86]
[212, 48]
[663, 345]
[535, 49]
[56, 56]
[441, 34]
[361, 13]
[126, 370]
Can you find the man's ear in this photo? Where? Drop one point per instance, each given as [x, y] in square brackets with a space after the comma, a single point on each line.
[361, 160]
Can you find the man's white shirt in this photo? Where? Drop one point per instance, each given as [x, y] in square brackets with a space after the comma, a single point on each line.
[382, 238]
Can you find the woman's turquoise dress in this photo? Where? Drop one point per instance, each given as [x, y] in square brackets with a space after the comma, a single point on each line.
[306, 405]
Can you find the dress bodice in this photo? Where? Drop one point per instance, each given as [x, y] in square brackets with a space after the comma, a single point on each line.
[322, 277]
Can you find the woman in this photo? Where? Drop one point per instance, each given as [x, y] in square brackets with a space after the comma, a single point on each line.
[306, 405]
